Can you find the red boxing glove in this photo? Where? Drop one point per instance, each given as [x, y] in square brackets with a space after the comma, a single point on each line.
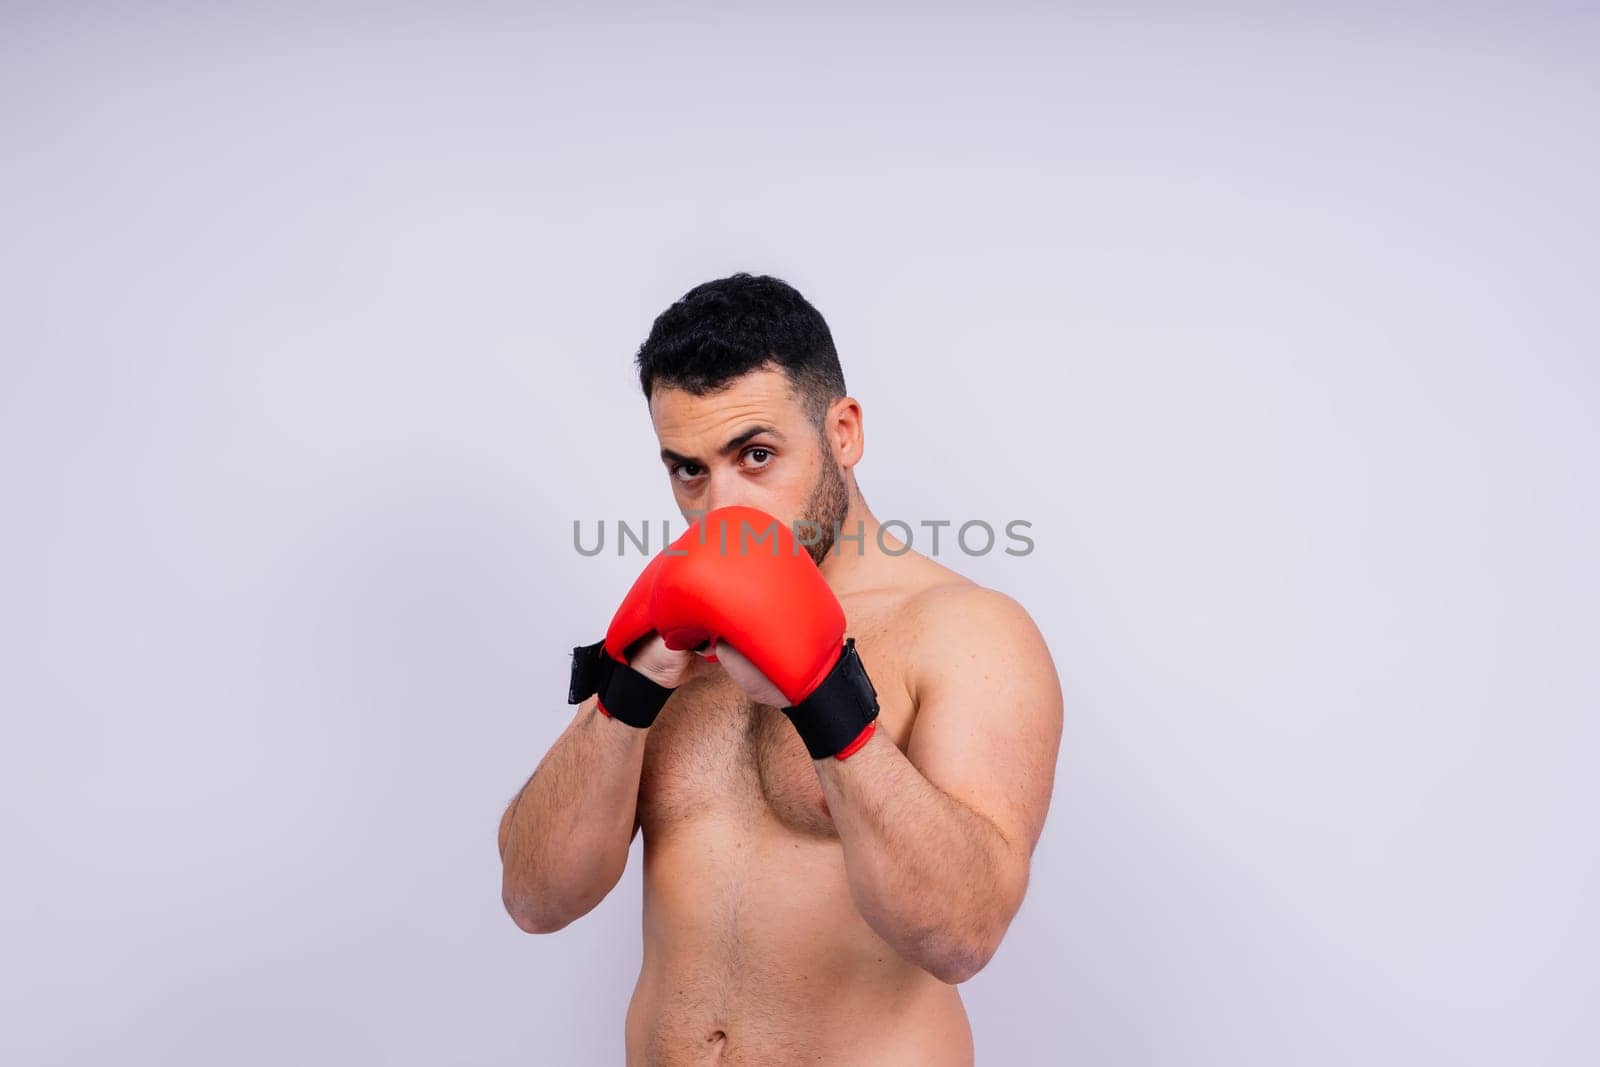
[740, 576]
[625, 694]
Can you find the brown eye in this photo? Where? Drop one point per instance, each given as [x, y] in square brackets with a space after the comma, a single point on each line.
[686, 472]
[759, 456]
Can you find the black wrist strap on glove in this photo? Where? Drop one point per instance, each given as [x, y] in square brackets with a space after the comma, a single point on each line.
[838, 711]
[625, 694]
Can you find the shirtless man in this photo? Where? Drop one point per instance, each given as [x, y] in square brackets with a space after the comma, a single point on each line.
[798, 910]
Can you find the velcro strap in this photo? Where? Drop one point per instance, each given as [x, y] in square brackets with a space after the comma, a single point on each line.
[632, 698]
[590, 671]
[839, 709]
[625, 694]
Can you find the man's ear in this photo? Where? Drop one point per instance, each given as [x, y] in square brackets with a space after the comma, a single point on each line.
[846, 435]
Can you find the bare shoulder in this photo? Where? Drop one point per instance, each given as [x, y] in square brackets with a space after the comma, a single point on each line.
[957, 601]
[959, 624]
[987, 719]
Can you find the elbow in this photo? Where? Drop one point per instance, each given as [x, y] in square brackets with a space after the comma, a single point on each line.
[957, 957]
[541, 904]
[952, 948]
[536, 907]
[535, 917]
[957, 970]
[539, 907]
[961, 950]
[949, 955]
[959, 963]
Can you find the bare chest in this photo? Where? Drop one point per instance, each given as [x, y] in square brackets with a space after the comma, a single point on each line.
[714, 753]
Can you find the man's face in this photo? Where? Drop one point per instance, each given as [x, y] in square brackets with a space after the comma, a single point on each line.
[753, 444]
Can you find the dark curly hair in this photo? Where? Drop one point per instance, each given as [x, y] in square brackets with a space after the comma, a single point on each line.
[723, 329]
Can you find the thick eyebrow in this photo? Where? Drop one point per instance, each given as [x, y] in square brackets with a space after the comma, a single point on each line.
[734, 444]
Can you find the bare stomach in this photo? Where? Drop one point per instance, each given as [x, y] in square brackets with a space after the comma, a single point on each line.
[754, 953]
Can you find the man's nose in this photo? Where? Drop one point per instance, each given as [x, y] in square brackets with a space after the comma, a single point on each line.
[722, 493]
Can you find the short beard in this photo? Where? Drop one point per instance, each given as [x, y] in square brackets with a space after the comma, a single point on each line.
[827, 507]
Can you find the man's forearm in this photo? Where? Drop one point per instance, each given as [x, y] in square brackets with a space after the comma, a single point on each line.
[564, 839]
[932, 877]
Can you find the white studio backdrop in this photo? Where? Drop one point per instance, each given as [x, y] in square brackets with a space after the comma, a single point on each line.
[1277, 326]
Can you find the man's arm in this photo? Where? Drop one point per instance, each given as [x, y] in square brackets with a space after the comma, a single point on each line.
[937, 840]
[564, 839]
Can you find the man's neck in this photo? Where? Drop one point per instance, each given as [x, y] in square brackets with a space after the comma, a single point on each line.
[857, 552]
